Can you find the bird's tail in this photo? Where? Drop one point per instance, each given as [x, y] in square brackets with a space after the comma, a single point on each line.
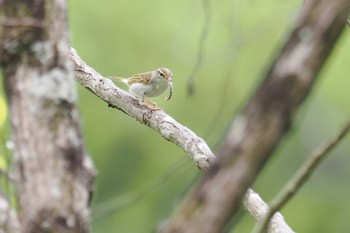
[118, 79]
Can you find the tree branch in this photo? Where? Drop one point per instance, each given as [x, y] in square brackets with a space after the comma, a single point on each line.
[194, 147]
[159, 121]
[258, 209]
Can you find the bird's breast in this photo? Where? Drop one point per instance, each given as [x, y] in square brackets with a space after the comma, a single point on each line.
[149, 90]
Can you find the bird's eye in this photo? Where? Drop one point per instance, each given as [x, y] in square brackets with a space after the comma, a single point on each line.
[161, 74]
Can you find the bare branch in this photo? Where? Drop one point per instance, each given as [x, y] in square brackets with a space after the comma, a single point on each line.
[258, 209]
[300, 177]
[159, 121]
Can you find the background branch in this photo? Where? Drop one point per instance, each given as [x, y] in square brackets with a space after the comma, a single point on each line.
[207, 10]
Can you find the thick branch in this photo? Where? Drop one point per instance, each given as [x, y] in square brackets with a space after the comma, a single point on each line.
[257, 130]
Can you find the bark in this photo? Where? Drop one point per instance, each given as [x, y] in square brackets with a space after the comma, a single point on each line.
[8, 219]
[266, 118]
[53, 175]
[258, 209]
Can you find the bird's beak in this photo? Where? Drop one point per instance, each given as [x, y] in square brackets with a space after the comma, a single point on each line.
[170, 84]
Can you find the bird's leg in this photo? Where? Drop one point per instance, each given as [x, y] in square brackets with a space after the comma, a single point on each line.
[155, 107]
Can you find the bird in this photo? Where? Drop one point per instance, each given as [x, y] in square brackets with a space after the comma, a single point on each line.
[149, 84]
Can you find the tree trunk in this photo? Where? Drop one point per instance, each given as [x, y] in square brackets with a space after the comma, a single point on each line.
[53, 175]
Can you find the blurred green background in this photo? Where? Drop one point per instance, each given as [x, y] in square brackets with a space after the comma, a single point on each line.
[146, 176]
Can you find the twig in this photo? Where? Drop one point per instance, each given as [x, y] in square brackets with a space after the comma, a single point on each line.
[300, 177]
[202, 39]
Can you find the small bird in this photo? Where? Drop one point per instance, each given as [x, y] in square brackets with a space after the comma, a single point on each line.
[149, 84]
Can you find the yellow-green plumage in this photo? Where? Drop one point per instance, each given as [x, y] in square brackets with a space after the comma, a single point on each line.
[148, 84]
[144, 78]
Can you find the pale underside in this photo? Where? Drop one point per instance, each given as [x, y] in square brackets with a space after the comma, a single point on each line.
[153, 90]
